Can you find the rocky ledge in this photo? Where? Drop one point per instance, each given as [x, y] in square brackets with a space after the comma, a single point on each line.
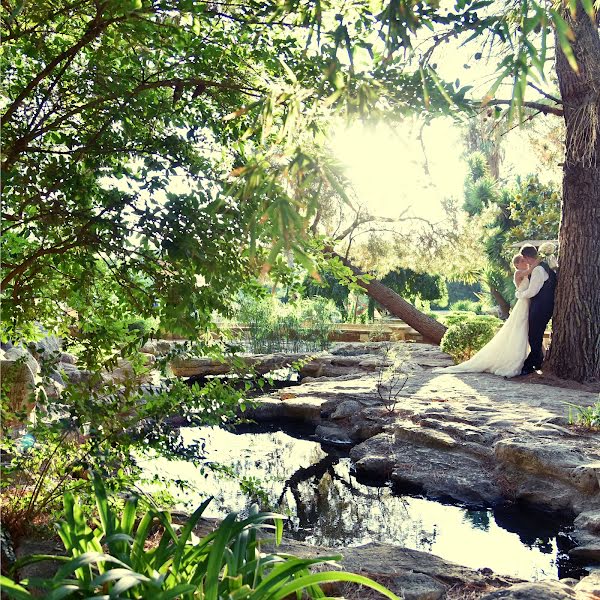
[415, 575]
[474, 438]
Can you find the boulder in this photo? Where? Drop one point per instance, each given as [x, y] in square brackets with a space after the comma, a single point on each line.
[588, 587]
[588, 553]
[542, 590]
[19, 383]
[346, 409]
[333, 435]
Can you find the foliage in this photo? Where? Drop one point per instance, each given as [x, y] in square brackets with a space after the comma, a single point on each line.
[585, 416]
[456, 317]
[412, 285]
[534, 210]
[480, 187]
[117, 557]
[302, 325]
[467, 305]
[101, 424]
[464, 338]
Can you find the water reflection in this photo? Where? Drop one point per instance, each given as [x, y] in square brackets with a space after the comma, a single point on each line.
[328, 506]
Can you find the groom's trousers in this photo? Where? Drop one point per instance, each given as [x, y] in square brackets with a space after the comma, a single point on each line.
[539, 316]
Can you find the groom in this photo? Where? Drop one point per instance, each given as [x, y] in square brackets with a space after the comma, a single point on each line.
[542, 284]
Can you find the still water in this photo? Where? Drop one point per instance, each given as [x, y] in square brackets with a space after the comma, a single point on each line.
[327, 505]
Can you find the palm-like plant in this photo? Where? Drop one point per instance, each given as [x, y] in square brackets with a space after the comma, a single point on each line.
[113, 560]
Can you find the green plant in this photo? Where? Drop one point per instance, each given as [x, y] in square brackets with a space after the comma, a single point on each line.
[274, 326]
[119, 557]
[465, 338]
[585, 416]
[467, 305]
[457, 317]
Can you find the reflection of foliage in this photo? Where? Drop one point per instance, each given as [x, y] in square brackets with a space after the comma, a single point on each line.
[480, 519]
[252, 487]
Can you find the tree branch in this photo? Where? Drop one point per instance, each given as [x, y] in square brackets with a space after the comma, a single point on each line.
[543, 108]
[95, 28]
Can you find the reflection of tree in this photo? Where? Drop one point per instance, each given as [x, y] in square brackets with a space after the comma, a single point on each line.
[535, 530]
[333, 509]
[480, 519]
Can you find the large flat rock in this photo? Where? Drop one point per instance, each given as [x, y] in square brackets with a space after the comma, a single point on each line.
[474, 438]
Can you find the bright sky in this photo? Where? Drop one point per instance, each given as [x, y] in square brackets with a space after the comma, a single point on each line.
[386, 167]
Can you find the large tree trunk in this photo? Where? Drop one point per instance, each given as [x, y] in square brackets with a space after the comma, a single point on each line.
[575, 349]
[429, 328]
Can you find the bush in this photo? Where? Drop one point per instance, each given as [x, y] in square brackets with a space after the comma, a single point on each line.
[122, 557]
[467, 305]
[457, 317]
[464, 338]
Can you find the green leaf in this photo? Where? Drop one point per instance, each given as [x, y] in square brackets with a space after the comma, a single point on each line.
[565, 36]
[317, 578]
[13, 590]
[87, 558]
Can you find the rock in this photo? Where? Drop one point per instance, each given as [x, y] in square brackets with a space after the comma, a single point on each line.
[20, 383]
[589, 553]
[588, 587]
[53, 389]
[541, 470]
[417, 575]
[72, 374]
[416, 586]
[306, 409]
[346, 409]
[589, 521]
[333, 435]
[474, 437]
[67, 358]
[150, 347]
[48, 347]
[408, 431]
[436, 470]
[20, 354]
[542, 590]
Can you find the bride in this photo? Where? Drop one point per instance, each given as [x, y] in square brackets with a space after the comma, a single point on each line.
[506, 352]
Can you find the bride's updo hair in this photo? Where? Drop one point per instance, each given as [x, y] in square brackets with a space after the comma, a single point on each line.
[517, 258]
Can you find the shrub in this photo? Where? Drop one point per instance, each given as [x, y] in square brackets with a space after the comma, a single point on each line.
[463, 339]
[467, 305]
[120, 557]
[457, 317]
[587, 417]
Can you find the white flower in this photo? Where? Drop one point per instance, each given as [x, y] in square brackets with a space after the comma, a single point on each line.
[547, 248]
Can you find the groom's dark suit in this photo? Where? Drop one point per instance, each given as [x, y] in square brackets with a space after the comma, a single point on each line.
[540, 312]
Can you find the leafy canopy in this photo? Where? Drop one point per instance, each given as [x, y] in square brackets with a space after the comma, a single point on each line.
[167, 147]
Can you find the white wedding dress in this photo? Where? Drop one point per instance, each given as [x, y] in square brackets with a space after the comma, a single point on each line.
[506, 352]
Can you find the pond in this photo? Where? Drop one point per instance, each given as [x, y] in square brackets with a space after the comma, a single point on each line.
[327, 505]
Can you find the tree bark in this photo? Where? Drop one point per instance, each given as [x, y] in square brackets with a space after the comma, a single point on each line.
[429, 328]
[575, 348]
[503, 305]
